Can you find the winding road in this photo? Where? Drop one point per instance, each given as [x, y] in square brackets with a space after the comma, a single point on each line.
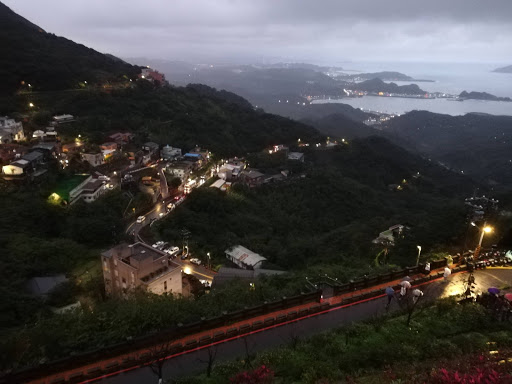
[195, 361]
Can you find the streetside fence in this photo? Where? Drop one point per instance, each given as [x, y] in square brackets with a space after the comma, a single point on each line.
[66, 370]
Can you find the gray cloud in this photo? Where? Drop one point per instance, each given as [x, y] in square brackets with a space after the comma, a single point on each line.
[320, 31]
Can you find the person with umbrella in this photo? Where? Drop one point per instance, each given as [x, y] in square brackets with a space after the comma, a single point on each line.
[416, 294]
[405, 285]
[447, 272]
[390, 293]
[494, 291]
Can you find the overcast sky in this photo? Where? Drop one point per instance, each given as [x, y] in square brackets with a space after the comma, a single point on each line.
[320, 31]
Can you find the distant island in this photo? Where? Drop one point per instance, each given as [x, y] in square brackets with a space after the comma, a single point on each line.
[507, 69]
[481, 96]
[376, 85]
[385, 76]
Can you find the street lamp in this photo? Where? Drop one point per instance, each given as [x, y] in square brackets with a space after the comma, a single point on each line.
[209, 259]
[419, 253]
[485, 229]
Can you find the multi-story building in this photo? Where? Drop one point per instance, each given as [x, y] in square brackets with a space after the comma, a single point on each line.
[88, 190]
[126, 267]
[181, 169]
[10, 130]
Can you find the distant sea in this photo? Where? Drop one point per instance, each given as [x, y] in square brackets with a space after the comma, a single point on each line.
[451, 78]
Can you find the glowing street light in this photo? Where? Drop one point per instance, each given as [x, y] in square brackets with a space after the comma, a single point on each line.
[485, 229]
[31, 105]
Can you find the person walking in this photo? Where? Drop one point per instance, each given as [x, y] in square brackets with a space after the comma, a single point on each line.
[390, 292]
[447, 273]
[416, 294]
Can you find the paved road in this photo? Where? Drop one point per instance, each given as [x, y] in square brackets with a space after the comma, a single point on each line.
[196, 361]
[134, 228]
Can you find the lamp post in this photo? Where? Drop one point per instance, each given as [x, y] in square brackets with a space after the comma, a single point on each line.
[419, 253]
[485, 229]
[209, 260]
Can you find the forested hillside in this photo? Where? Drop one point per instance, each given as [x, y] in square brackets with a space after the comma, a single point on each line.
[478, 145]
[30, 55]
[184, 117]
[332, 214]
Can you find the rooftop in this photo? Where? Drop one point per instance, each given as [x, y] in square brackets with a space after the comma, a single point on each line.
[32, 156]
[252, 173]
[92, 185]
[142, 252]
[245, 255]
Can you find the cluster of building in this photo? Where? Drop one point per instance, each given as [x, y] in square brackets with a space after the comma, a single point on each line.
[182, 166]
[106, 150]
[33, 163]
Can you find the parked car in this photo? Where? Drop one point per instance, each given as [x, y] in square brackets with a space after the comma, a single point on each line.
[195, 261]
[157, 244]
[172, 250]
[140, 219]
[161, 214]
[184, 256]
[170, 206]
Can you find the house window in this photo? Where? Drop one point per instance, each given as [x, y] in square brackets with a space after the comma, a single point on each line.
[115, 262]
[116, 273]
[105, 264]
[117, 283]
[165, 285]
[133, 278]
[123, 280]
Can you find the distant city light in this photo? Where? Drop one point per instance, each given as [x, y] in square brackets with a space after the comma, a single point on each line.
[30, 105]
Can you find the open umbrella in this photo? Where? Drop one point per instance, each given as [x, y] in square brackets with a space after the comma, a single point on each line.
[508, 296]
[390, 291]
[493, 291]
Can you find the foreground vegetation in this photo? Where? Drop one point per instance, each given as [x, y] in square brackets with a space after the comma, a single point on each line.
[102, 323]
[385, 350]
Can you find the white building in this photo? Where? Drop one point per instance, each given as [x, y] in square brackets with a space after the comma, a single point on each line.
[89, 190]
[16, 168]
[244, 258]
[10, 130]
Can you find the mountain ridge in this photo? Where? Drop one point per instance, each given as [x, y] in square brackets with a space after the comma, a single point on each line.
[60, 64]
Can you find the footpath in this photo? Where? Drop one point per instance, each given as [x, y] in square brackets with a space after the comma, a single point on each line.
[103, 366]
